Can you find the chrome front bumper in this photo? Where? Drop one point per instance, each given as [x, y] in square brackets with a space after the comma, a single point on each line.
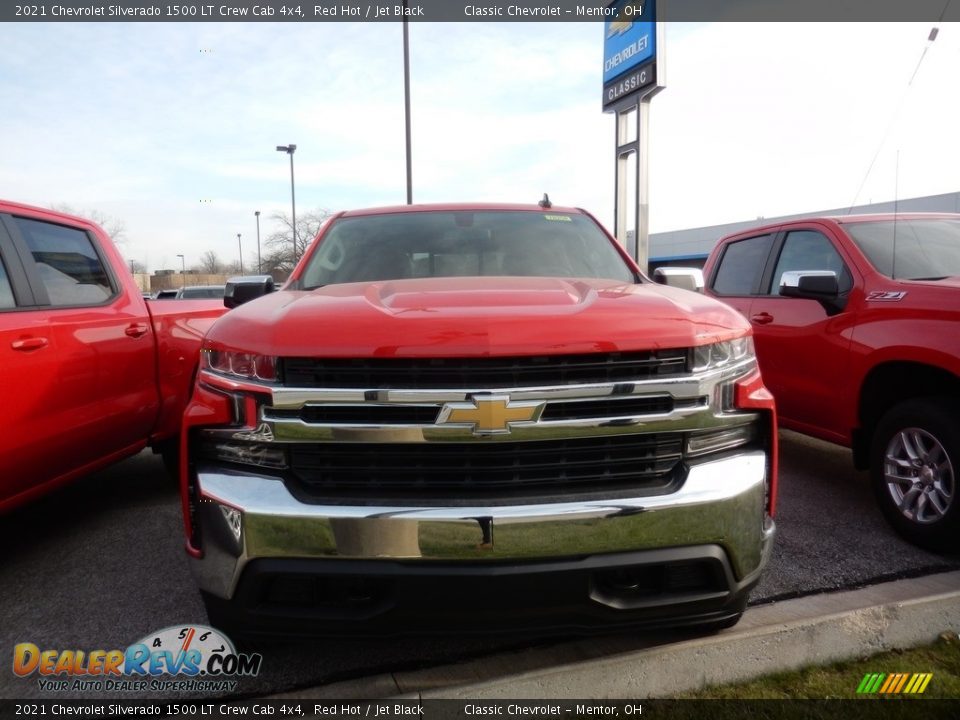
[245, 518]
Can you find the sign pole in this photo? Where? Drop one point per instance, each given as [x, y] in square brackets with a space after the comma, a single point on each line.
[626, 179]
[632, 75]
[642, 251]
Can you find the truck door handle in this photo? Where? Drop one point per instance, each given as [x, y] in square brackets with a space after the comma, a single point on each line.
[763, 318]
[136, 330]
[34, 343]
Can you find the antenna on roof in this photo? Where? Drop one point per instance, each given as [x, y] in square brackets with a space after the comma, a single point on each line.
[545, 203]
[896, 203]
[896, 112]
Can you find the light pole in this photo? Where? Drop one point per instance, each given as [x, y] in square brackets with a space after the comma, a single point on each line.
[406, 101]
[183, 270]
[240, 246]
[259, 267]
[289, 150]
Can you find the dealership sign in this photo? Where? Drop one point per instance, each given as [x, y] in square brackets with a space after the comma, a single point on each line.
[629, 49]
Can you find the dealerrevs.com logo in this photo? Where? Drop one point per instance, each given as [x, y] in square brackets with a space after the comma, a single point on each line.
[191, 658]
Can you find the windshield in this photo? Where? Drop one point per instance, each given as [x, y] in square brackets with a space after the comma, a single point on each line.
[923, 249]
[461, 244]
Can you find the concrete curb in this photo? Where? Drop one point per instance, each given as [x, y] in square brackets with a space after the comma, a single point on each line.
[771, 638]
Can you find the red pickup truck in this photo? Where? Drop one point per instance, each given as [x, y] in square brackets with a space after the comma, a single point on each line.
[470, 416]
[857, 327]
[91, 373]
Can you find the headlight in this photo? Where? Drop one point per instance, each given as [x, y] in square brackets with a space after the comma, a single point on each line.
[239, 364]
[722, 354]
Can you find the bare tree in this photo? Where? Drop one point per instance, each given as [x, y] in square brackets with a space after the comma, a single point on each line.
[230, 268]
[137, 267]
[210, 263]
[279, 244]
[114, 227]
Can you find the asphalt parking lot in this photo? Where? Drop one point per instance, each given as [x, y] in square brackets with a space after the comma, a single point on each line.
[100, 565]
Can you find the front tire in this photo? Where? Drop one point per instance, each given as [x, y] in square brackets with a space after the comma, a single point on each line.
[169, 451]
[914, 466]
[220, 617]
[720, 625]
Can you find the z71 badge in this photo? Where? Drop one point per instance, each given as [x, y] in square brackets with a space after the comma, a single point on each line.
[886, 295]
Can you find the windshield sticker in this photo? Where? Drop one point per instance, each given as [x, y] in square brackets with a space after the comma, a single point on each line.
[558, 218]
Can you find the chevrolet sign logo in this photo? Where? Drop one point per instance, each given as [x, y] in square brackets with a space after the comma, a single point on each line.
[490, 413]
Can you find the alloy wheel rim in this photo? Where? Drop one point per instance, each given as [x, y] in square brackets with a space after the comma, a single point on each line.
[919, 475]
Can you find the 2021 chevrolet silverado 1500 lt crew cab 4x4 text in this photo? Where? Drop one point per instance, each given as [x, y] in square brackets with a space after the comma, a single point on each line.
[91, 372]
[476, 415]
[857, 326]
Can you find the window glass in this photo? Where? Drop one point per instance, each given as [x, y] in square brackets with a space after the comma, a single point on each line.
[925, 249]
[6, 292]
[741, 266]
[210, 291]
[809, 250]
[66, 262]
[463, 243]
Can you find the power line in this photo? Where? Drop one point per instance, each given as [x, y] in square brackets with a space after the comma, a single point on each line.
[934, 31]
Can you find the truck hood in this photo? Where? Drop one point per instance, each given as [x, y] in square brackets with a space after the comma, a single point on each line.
[456, 317]
[923, 295]
[951, 283]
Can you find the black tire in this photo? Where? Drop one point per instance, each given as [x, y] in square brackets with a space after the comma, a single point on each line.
[919, 439]
[719, 625]
[169, 451]
[715, 626]
[220, 617]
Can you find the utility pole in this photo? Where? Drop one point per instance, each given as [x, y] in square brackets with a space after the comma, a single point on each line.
[259, 265]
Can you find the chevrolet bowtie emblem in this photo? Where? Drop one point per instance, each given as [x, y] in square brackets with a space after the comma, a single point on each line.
[490, 413]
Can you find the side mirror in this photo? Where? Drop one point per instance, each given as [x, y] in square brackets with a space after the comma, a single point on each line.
[680, 277]
[820, 285]
[244, 289]
[810, 284]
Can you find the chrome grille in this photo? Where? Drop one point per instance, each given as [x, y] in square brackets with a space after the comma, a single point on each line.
[374, 429]
[485, 372]
[396, 414]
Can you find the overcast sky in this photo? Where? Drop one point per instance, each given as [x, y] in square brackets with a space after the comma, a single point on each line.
[171, 128]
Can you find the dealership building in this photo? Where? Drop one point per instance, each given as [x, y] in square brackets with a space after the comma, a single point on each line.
[691, 247]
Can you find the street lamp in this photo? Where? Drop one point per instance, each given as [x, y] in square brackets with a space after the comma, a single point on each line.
[183, 270]
[406, 102]
[240, 246]
[259, 268]
[289, 150]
